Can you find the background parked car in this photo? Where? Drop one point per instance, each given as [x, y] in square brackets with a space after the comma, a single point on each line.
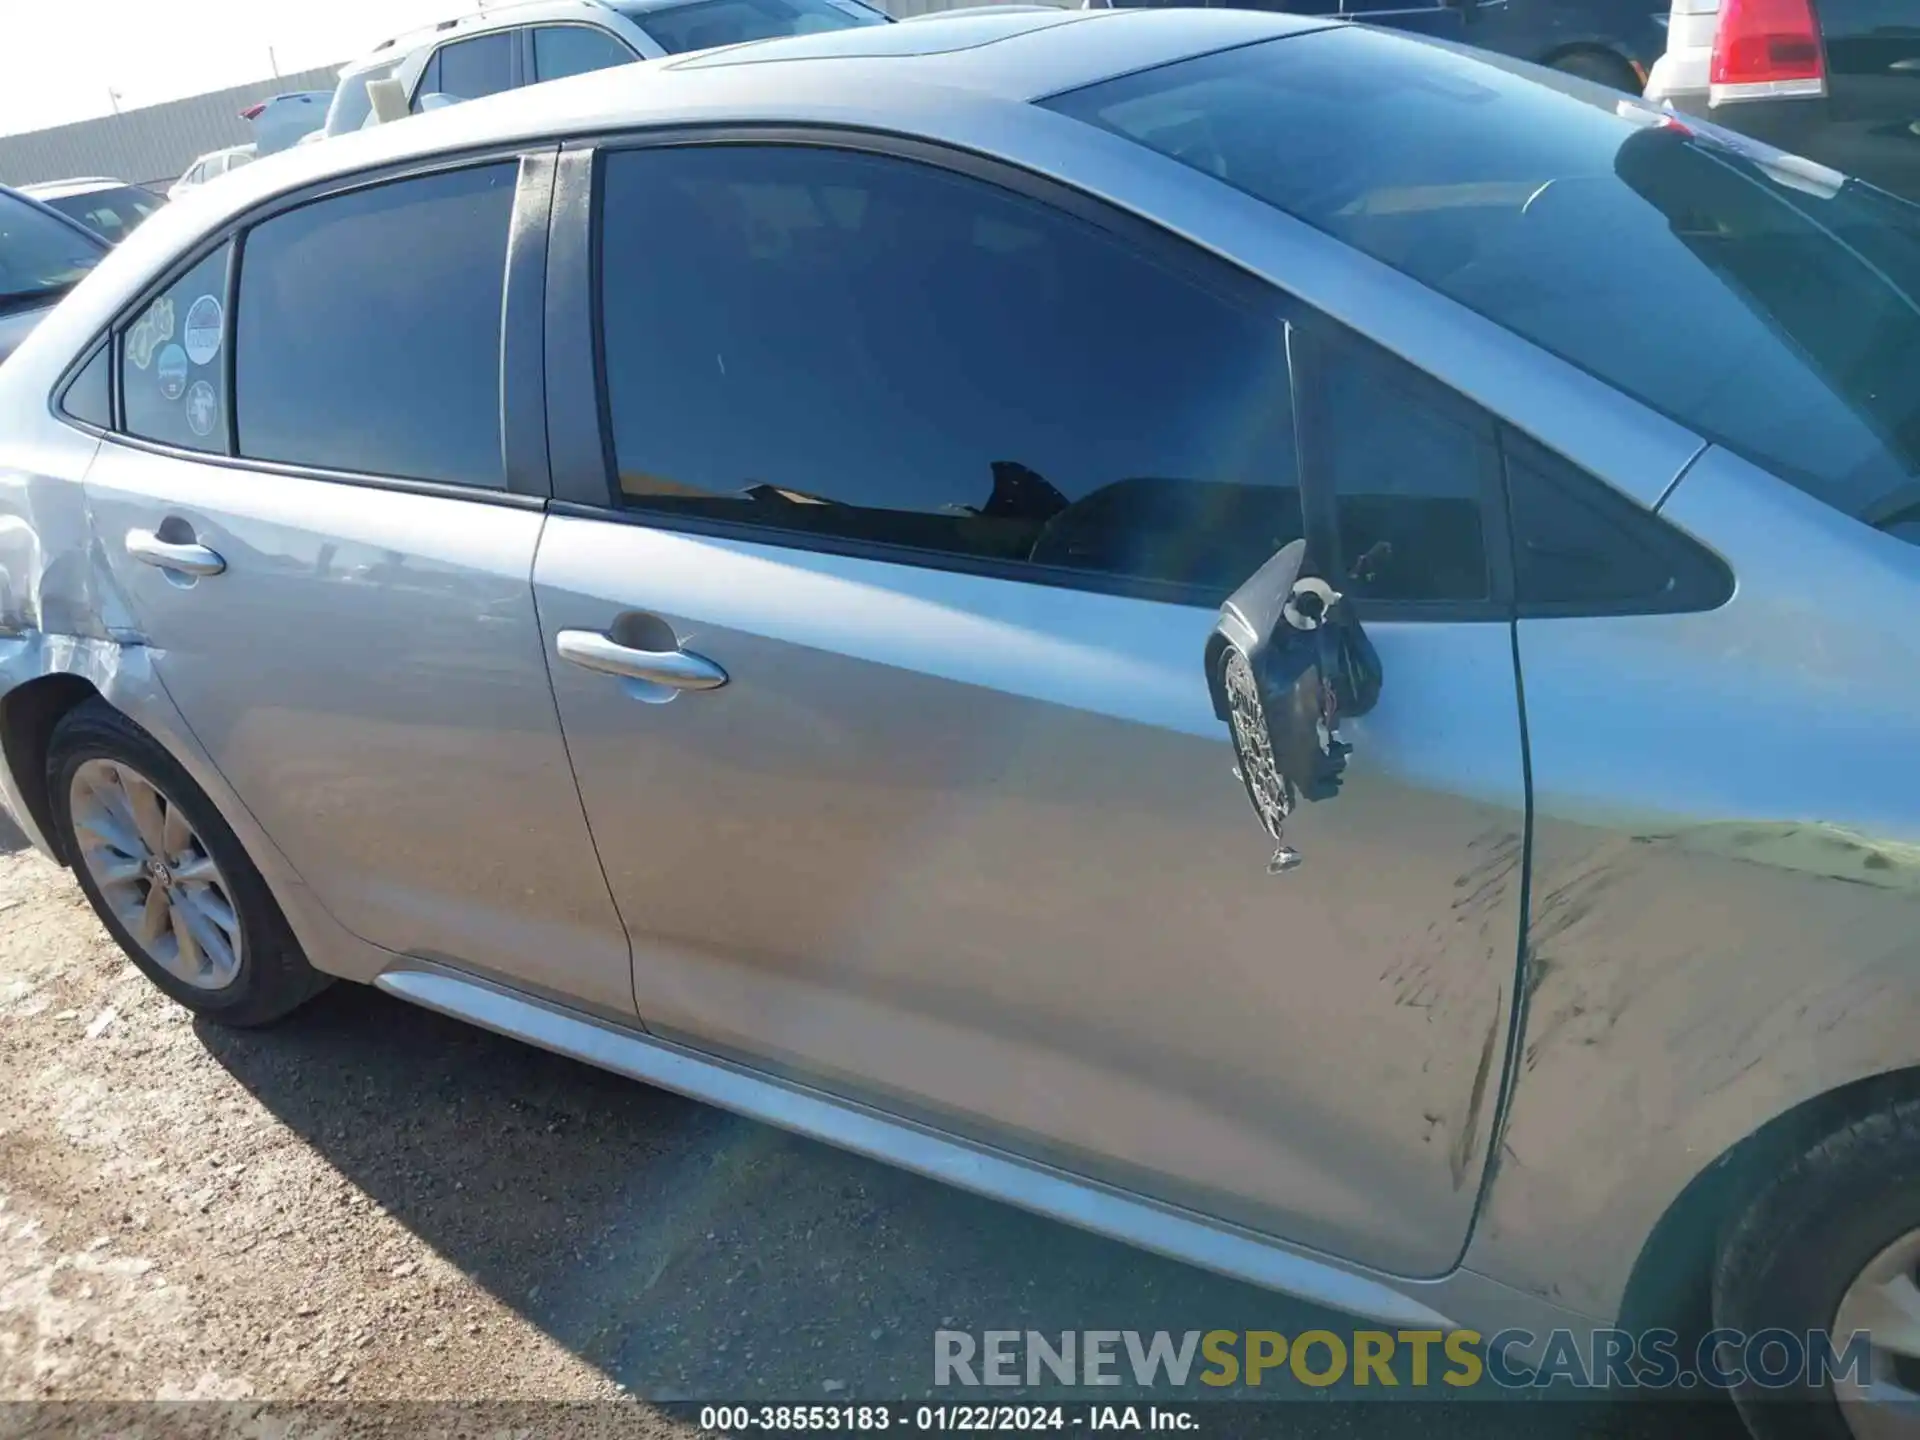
[43, 254]
[504, 49]
[211, 166]
[284, 120]
[1837, 82]
[110, 208]
[1611, 41]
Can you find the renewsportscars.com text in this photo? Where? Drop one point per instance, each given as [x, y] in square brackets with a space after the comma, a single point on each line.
[1458, 1359]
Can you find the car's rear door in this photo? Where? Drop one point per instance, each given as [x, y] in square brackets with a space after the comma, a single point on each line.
[880, 660]
[326, 537]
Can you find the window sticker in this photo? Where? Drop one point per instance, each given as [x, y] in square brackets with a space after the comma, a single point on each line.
[150, 332]
[172, 371]
[203, 330]
[203, 408]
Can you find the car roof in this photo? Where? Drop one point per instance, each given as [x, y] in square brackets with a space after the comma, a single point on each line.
[494, 17]
[79, 185]
[904, 79]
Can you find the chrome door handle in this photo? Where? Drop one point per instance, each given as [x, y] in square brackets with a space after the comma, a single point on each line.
[677, 669]
[150, 549]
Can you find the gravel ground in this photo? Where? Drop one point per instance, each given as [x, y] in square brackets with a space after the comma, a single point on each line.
[371, 1203]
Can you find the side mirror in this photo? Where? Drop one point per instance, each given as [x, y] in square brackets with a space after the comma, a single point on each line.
[1286, 663]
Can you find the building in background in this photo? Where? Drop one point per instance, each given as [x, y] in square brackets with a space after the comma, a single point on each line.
[151, 145]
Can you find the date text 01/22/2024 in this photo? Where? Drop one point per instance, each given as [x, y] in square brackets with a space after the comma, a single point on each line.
[791, 1419]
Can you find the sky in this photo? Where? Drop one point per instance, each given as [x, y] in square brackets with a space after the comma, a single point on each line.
[58, 58]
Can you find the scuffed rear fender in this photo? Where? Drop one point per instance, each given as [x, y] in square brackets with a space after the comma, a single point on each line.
[62, 613]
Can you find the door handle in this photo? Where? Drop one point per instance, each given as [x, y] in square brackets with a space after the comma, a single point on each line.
[676, 669]
[150, 549]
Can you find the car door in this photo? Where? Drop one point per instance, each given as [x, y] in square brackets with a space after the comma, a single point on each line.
[880, 661]
[311, 517]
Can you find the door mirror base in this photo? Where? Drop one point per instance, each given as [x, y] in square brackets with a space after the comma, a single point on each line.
[1287, 661]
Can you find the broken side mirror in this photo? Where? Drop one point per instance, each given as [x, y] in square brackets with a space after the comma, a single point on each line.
[1285, 665]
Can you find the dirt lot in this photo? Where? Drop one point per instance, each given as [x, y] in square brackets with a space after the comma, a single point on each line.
[371, 1203]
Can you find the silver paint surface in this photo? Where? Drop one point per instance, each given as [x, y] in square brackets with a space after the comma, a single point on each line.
[1076, 953]
[976, 847]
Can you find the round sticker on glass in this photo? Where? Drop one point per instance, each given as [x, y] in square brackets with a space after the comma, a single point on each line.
[203, 407]
[172, 370]
[202, 331]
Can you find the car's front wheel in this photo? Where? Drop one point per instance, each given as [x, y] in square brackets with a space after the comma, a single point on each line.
[1831, 1249]
[167, 876]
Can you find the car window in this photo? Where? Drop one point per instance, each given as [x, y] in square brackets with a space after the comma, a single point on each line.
[562, 50]
[1581, 547]
[1597, 228]
[368, 337]
[352, 106]
[87, 395]
[829, 344]
[472, 68]
[40, 255]
[238, 158]
[429, 84]
[173, 383]
[707, 23]
[1411, 465]
[109, 213]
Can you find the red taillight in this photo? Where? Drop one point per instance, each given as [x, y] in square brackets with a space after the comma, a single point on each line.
[252, 112]
[1765, 50]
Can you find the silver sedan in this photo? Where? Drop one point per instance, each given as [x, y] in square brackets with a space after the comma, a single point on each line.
[1273, 639]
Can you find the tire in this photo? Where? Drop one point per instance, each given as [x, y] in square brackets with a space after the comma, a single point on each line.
[1792, 1257]
[1600, 67]
[263, 977]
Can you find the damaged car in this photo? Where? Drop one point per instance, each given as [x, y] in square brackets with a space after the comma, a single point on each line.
[1111, 607]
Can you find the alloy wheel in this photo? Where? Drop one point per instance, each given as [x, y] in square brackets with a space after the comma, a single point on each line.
[1884, 1302]
[155, 873]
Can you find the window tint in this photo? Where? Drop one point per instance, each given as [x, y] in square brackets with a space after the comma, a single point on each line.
[352, 105]
[369, 330]
[819, 342]
[39, 255]
[476, 67]
[173, 383]
[109, 213]
[707, 23]
[1581, 547]
[562, 50]
[86, 397]
[429, 83]
[1410, 464]
[1587, 226]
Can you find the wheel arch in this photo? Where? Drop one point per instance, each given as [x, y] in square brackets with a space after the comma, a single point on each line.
[29, 714]
[1669, 1285]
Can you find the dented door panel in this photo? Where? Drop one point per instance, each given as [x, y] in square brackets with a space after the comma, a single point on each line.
[974, 851]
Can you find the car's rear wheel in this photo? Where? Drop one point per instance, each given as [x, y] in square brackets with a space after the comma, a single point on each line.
[167, 876]
[1832, 1247]
[1600, 67]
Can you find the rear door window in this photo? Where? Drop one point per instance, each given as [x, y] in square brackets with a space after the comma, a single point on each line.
[173, 354]
[472, 68]
[562, 50]
[708, 23]
[369, 330]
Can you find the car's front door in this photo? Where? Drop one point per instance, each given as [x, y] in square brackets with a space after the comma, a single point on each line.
[945, 484]
[309, 516]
